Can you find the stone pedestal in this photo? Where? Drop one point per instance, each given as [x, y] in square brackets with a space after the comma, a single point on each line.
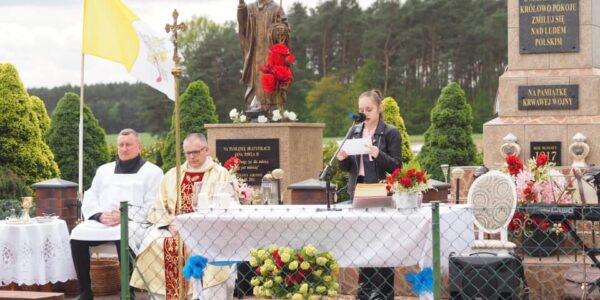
[58, 197]
[299, 147]
[532, 117]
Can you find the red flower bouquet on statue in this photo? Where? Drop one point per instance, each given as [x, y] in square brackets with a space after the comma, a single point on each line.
[245, 192]
[277, 75]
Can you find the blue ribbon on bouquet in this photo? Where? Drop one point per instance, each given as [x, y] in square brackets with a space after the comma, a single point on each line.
[422, 282]
[196, 264]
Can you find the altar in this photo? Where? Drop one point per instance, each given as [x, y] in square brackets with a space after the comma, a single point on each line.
[35, 253]
[375, 237]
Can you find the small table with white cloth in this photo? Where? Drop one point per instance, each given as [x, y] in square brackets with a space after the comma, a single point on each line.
[375, 237]
[35, 253]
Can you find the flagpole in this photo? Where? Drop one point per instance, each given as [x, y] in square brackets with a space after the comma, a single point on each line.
[80, 167]
[177, 74]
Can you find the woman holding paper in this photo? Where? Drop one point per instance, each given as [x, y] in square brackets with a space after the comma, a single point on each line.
[383, 153]
[383, 145]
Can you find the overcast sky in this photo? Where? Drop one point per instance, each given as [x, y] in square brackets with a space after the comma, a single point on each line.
[42, 38]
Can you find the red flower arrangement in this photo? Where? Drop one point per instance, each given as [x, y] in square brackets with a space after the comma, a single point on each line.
[277, 75]
[411, 181]
[233, 164]
[536, 183]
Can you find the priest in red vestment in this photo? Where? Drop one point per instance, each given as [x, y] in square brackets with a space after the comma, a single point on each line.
[158, 258]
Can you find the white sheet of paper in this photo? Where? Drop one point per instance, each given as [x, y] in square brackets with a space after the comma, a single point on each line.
[355, 146]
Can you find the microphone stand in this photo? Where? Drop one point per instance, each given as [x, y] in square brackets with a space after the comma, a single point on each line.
[326, 174]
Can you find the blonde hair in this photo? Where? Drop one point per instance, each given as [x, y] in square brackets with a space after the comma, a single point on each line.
[374, 94]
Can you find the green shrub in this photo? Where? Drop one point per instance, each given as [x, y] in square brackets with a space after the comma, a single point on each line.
[152, 153]
[449, 139]
[42, 114]
[22, 148]
[196, 108]
[391, 115]
[63, 138]
[11, 185]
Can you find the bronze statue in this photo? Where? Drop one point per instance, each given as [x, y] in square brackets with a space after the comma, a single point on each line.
[261, 25]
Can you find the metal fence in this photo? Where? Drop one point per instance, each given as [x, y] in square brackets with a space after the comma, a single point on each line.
[372, 253]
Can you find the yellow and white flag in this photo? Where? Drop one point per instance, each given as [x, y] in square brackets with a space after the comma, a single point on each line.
[112, 31]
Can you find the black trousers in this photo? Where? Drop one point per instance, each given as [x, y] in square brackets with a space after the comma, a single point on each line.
[376, 283]
[245, 272]
[80, 251]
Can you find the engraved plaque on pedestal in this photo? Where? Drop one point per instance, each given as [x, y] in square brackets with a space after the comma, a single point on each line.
[551, 149]
[258, 156]
[549, 26]
[548, 97]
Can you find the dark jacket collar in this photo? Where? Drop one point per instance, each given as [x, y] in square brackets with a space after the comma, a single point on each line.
[358, 129]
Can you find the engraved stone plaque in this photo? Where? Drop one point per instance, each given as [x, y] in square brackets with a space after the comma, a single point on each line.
[551, 149]
[548, 26]
[548, 97]
[258, 156]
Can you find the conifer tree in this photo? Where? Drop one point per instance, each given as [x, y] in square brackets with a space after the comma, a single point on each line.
[22, 148]
[391, 115]
[63, 138]
[196, 108]
[449, 139]
[42, 114]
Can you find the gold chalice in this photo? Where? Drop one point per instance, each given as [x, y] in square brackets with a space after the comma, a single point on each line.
[26, 202]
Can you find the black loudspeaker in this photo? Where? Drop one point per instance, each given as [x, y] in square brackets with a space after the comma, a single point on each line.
[486, 276]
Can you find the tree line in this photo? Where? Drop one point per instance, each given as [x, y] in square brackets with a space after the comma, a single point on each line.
[408, 49]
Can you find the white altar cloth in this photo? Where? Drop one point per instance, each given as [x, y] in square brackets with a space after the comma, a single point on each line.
[357, 237]
[35, 253]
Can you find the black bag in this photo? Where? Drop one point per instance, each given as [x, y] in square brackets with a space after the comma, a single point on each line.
[486, 276]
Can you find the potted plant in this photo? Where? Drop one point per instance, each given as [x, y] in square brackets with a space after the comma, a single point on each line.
[406, 185]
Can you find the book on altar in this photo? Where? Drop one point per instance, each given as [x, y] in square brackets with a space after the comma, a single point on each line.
[371, 195]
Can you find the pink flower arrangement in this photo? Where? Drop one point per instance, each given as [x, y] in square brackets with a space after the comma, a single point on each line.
[244, 192]
[536, 183]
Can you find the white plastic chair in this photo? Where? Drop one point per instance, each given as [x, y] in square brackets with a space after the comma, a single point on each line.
[493, 197]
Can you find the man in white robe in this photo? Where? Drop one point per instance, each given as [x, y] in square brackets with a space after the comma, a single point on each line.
[158, 258]
[130, 178]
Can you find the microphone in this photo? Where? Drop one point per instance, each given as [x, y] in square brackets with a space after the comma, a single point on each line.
[357, 117]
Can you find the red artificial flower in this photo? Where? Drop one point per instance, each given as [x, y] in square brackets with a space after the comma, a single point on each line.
[266, 69]
[388, 188]
[268, 83]
[232, 162]
[514, 164]
[411, 172]
[406, 182]
[545, 225]
[282, 74]
[290, 59]
[396, 172]
[280, 49]
[277, 259]
[541, 160]
[289, 280]
[276, 60]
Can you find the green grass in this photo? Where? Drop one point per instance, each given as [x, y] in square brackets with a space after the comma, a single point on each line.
[147, 139]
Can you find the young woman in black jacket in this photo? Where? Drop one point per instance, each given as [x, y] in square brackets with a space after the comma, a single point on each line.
[384, 155]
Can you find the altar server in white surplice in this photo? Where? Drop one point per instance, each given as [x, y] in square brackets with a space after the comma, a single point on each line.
[130, 178]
